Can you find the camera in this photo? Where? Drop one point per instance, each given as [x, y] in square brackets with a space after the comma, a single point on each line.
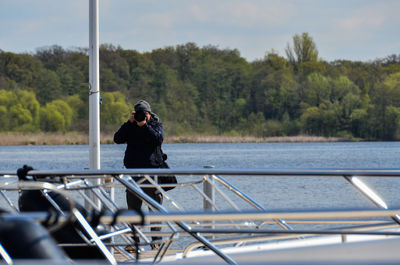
[139, 115]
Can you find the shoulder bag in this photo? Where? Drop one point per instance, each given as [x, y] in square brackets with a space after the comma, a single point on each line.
[161, 157]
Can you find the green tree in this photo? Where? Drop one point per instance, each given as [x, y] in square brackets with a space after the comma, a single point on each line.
[317, 89]
[20, 118]
[71, 67]
[21, 68]
[114, 69]
[181, 111]
[359, 123]
[321, 120]
[391, 126]
[254, 124]
[64, 109]
[280, 94]
[4, 119]
[114, 110]
[383, 110]
[345, 96]
[66, 79]
[8, 98]
[340, 87]
[304, 49]
[141, 75]
[28, 101]
[47, 86]
[7, 83]
[20, 110]
[78, 106]
[51, 56]
[391, 88]
[51, 120]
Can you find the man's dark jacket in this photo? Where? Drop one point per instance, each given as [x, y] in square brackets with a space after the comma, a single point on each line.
[141, 143]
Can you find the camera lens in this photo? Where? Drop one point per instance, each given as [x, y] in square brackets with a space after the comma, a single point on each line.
[139, 116]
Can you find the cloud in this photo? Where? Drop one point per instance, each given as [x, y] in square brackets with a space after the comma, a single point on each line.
[243, 13]
[358, 23]
[367, 19]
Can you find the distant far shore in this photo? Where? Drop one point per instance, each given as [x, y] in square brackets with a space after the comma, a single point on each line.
[7, 139]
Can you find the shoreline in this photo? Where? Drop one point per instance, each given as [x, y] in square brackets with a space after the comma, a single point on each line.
[10, 139]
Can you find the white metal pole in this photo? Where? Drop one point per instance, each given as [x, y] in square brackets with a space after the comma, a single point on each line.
[94, 92]
[94, 88]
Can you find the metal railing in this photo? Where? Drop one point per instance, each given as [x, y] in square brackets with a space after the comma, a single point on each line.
[185, 229]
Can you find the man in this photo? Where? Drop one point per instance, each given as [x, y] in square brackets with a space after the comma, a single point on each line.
[142, 133]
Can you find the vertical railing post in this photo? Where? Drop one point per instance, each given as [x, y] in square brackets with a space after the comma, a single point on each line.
[112, 196]
[209, 190]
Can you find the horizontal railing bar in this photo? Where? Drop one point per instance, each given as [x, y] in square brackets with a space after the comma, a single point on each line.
[253, 215]
[304, 232]
[79, 173]
[332, 231]
[132, 216]
[292, 221]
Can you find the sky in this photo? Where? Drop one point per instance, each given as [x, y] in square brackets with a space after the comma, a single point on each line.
[357, 30]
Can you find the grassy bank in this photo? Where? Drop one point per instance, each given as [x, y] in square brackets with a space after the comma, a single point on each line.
[77, 138]
[42, 139]
[250, 139]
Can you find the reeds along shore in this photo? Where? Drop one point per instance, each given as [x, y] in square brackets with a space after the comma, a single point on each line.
[75, 138]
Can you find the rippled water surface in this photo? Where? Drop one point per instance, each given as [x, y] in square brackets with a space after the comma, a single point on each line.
[277, 192]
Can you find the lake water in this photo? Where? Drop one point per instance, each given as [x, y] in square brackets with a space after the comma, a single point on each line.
[237, 155]
[273, 193]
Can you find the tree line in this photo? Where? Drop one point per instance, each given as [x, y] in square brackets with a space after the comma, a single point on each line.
[205, 90]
